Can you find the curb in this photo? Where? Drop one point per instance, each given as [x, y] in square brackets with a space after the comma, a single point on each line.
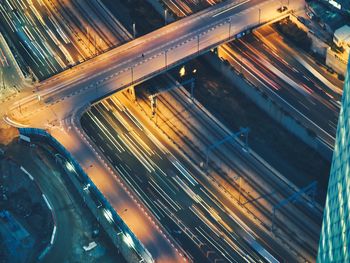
[54, 230]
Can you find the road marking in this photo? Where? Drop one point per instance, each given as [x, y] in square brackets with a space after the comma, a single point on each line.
[53, 235]
[47, 202]
[231, 8]
[26, 172]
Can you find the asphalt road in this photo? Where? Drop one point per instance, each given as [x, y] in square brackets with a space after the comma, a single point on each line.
[62, 95]
[125, 64]
[73, 221]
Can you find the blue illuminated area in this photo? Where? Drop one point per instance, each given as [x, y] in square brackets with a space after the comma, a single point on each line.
[334, 245]
[340, 4]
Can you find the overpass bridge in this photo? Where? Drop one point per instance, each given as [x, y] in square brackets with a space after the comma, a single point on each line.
[56, 103]
[143, 58]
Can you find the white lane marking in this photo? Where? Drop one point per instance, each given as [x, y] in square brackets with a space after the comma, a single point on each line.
[47, 202]
[29, 175]
[53, 235]
[228, 9]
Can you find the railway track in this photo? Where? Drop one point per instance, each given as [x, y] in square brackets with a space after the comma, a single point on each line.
[274, 199]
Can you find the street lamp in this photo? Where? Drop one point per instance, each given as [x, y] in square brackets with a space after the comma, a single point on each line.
[134, 29]
[240, 187]
[166, 58]
[240, 190]
[198, 42]
[229, 27]
[2, 78]
[88, 39]
[132, 74]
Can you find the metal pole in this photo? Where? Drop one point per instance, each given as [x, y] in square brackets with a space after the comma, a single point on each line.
[2, 78]
[132, 74]
[165, 16]
[192, 88]
[240, 64]
[207, 161]
[155, 109]
[198, 43]
[259, 15]
[240, 190]
[134, 29]
[166, 60]
[87, 36]
[155, 112]
[229, 28]
[95, 45]
[273, 220]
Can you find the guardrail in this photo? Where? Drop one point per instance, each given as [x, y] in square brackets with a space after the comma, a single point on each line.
[122, 237]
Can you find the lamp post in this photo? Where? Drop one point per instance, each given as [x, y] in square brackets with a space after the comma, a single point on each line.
[2, 78]
[134, 29]
[88, 39]
[240, 189]
[198, 43]
[165, 16]
[132, 74]
[229, 27]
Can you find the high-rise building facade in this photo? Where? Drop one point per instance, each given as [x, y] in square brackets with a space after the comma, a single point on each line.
[334, 245]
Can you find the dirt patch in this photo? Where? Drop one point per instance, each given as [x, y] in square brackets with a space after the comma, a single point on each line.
[7, 133]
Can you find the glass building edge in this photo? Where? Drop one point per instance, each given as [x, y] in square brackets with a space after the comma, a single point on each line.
[334, 241]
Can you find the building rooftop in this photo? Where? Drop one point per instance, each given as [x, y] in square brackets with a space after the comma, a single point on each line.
[343, 33]
[328, 15]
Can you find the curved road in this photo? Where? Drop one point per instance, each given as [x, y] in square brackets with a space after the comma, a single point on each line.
[68, 214]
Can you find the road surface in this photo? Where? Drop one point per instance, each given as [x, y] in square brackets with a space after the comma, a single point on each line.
[55, 100]
[146, 56]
